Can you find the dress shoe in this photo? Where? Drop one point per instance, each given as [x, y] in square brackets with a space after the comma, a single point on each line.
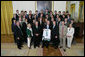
[64, 50]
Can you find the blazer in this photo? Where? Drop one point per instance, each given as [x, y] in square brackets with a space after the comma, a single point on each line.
[55, 31]
[64, 31]
[18, 32]
[45, 26]
[13, 27]
[70, 32]
[36, 30]
[29, 32]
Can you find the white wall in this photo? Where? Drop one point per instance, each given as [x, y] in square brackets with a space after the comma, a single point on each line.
[23, 5]
[60, 5]
[30, 5]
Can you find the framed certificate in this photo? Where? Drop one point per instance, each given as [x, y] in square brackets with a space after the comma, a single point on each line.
[46, 34]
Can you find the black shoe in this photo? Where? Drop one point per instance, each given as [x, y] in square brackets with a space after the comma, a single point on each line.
[47, 47]
[64, 50]
[19, 48]
[68, 47]
[60, 46]
[29, 47]
[34, 47]
[56, 47]
[42, 46]
[38, 46]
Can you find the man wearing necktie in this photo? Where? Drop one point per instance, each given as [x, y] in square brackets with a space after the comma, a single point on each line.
[36, 33]
[62, 34]
[46, 41]
[55, 35]
[19, 35]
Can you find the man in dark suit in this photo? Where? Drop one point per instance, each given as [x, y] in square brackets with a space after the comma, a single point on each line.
[55, 14]
[35, 17]
[60, 15]
[17, 15]
[41, 25]
[46, 12]
[13, 29]
[36, 12]
[55, 35]
[36, 33]
[19, 35]
[30, 13]
[47, 17]
[30, 20]
[26, 15]
[58, 21]
[41, 14]
[14, 17]
[24, 27]
[48, 26]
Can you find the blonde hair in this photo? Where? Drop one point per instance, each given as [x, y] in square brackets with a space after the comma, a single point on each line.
[28, 25]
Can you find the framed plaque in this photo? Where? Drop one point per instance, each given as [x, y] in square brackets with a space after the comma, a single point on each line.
[46, 34]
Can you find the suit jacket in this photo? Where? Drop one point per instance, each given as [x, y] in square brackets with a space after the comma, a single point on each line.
[55, 31]
[24, 27]
[45, 26]
[17, 17]
[40, 14]
[13, 19]
[18, 32]
[13, 27]
[60, 17]
[41, 25]
[36, 30]
[30, 20]
[64, 31]
[31, 16]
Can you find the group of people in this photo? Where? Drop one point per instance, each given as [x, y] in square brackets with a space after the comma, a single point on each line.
[29, 28]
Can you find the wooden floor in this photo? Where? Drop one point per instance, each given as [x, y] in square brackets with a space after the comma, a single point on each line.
[51, 52]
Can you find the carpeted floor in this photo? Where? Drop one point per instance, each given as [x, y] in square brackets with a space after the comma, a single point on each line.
[10, 49]
[75, 50]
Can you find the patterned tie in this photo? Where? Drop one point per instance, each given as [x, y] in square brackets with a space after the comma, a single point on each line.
[46, 33]
[62, 30]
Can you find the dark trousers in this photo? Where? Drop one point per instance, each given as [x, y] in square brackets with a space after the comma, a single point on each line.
[19, 43]
[15, 40]
[45, 43]
[36, 41]
[56, 42]
[25, 37]
[32, 41]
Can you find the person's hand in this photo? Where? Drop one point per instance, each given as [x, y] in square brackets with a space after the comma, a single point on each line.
[18, 38]
[44, 29]
[55, 36]
[37, 34]
[68, 36]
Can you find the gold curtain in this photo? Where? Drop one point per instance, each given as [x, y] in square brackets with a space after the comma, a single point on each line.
[72, 10]
[81, 11]
[6, 16]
